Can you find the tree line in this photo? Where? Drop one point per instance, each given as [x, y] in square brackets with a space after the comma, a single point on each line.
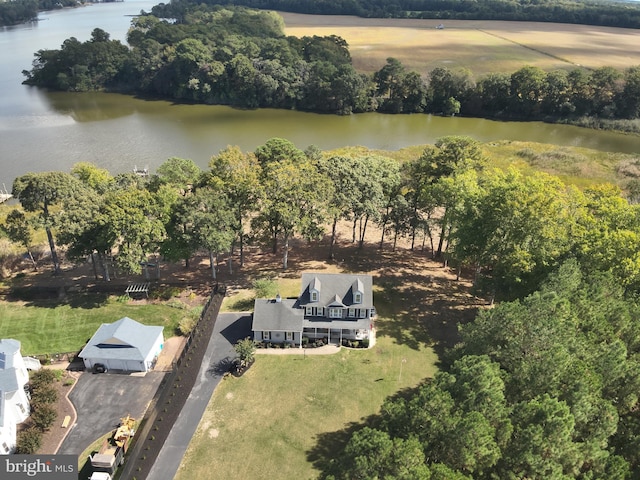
[605, 13]
[508, 229]
[241, 57]
[544, 385]
[21, 11]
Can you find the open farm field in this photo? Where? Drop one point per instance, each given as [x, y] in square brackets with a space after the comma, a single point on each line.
[479, 45]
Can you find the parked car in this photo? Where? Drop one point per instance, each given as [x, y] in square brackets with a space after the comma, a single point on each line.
[99, 368]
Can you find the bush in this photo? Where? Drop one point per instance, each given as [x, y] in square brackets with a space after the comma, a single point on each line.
[44, 416]
[245, 348]
[29, 441]
[44, 394]
[165, 293]
[265, 287]
[187, 324]
[42, 378]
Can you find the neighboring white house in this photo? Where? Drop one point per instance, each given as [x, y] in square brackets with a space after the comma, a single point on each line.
[14, 403]
[124, 345]
[331, 306]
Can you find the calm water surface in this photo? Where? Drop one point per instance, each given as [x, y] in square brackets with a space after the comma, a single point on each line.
[51, 131]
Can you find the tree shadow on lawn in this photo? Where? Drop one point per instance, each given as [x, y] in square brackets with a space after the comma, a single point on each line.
[420, 310]
[49, 298]
[330, 445]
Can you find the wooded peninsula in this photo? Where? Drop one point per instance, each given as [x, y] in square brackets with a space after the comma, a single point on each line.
[241, 57]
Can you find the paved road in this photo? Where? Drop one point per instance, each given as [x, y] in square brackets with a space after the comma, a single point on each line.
[230, 327]
[101, 400]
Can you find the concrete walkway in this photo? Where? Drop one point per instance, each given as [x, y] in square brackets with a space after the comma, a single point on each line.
[229, 328]
[324, 350]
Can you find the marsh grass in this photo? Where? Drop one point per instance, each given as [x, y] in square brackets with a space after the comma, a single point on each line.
[582, 167]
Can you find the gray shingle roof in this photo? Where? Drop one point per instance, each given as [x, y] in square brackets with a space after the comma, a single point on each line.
[269, 315]
[337, 284]
[8, 374]
[125, 339]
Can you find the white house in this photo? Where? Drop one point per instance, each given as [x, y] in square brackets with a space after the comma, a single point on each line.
[330, 306]
[124, 345]
[14, 403]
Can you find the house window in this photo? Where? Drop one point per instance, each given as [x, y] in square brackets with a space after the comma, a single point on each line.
[351, 313]
[309, 311]
[320, 311]
[289, 336]
[362, 313]
[357, 298]
[335, 313]
[314, 296]
[266, 335]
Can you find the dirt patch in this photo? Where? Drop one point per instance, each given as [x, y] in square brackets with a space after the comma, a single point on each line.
[170, 351]
[478, 45]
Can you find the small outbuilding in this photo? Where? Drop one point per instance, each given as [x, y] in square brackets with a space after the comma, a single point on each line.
[125, 345]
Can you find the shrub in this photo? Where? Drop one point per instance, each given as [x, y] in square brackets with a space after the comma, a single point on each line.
[44, 416]
[42, 378]
[265, 287]
[365, 343]
[245, 348]
[186, 325]
[44, 394]
[165, 293]
[29, 441]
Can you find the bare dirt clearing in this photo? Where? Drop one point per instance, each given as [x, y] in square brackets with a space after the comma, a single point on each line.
[481, 46]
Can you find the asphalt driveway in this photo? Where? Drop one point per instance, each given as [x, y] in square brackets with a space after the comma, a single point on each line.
[229, 328]
[101, 400]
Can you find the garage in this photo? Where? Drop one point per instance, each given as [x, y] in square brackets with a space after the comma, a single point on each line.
[125, 345]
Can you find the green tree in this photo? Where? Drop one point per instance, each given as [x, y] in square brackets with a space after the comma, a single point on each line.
[245, 349]
[47, 193]
[214, 224]
[19, 230]
[239, 174]
[296, 195]
[516, 229]
[130, 221]
[527, 85]
[99, 179]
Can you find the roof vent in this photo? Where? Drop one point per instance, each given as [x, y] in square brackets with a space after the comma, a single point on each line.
[278, 298]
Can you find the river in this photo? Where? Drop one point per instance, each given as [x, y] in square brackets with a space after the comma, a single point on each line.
[42, 131]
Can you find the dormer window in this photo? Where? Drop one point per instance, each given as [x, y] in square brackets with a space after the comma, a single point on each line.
[315, 286]
[357, 289]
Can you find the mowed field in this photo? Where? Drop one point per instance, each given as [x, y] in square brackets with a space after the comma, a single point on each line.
[481, 46]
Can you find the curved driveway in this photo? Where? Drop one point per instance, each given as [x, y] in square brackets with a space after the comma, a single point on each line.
[101, 400]
[229, 328]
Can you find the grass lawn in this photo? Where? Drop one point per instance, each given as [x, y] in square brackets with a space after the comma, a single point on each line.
[52, 327]
[288, 413]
